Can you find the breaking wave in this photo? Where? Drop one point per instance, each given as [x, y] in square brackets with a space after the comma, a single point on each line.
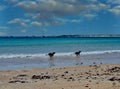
[67, 54]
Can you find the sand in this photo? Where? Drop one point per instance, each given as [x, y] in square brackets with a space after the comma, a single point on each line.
[77, 77]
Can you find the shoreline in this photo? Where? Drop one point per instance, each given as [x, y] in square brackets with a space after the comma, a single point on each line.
[58, 61]
[83, 77]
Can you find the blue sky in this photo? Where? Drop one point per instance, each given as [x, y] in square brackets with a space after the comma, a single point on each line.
[59, 17]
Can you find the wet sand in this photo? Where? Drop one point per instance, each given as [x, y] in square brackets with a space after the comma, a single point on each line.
[59, 61]
[78, 77]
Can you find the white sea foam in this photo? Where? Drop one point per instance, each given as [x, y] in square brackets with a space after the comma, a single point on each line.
[21, 55]
[100, 52]
[67, 54]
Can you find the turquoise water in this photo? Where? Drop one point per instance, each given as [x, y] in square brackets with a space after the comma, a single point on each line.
[25, 53]
[44, 45]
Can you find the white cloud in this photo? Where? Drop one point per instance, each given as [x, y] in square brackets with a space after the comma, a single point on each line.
[52, 7]
[12, 1]
[28, 5]
[23, 31]
[4, 28]
[115, 7]
[115, 10]
[19, 22]
[2, 7]
[113, 1]
[75, 21]
[23, 24]
[47, 11]
[38, 24]
[26, 20]
[2, 34]
[14, 21]
[63, 21]
[90, 16]
[103, 6]
[98, 7]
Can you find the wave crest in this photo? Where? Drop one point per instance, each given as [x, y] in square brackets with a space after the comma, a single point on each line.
[68, 54]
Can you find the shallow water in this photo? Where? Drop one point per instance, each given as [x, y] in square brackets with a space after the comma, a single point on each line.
[58, 61]
[25, 53]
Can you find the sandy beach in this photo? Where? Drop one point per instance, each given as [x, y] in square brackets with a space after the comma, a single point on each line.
[60, 44]
[78, 77]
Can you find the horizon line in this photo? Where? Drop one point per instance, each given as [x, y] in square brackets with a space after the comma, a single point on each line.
[75, 35]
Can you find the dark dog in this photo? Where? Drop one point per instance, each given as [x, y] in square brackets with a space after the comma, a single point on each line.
[77, 53]
[51, 54]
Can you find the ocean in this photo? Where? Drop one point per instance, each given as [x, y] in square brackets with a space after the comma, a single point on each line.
[31, 52]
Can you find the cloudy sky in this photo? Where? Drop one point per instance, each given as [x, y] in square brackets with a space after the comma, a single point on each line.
[58, 17]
